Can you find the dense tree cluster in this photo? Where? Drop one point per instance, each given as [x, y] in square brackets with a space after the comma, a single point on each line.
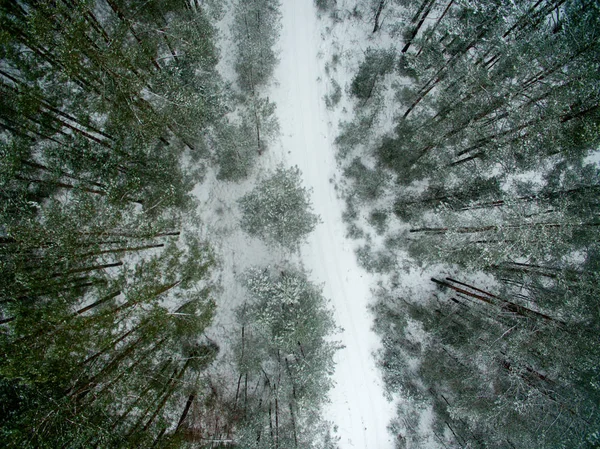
[497, 115]
[507, 368]
[284, 361]
[107, 110]
[239, 143]
[103, 298]
[255, 30]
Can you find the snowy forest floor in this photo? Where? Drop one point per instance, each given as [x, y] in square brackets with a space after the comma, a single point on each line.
[358, 409]
[308, 130]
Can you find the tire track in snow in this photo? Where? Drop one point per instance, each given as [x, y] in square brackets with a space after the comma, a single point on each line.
[357, 407]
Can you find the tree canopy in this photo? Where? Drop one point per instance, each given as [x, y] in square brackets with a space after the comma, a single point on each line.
[278, 209]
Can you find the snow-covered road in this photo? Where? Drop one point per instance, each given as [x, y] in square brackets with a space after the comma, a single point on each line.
[357, 407]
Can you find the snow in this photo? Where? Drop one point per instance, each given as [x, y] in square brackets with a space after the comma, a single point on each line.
[358, 407]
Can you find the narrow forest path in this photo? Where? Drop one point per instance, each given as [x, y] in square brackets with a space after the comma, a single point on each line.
[357, 407]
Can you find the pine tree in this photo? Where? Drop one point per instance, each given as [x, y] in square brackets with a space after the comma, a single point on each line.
[278, 210]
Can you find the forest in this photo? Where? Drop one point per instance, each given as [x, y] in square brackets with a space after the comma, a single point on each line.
[112, 112]
[472, 190]
[154, 284]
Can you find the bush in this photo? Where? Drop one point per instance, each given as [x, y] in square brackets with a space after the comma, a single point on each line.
[378, 219]
[375, 261]
[334, 97]
[235, 152]
[368, 183]
[324, 5]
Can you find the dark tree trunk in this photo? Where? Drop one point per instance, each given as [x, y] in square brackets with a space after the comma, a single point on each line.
[120, 250]
[186, 410]
[416, 29]
[88, 269]
[167, 396]
[378, 14]
[432, 31]
[99, 302]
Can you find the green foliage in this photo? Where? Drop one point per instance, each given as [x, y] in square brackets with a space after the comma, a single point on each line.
[325, 5]
[260, 116]
[369, 183]
[375, 261]
[438, 196]
[376, 65]
[499, 382]
[489, 148]
[284, 344]
[255, 28]
[97, 293]
[469, 111]
[378, 219]
[278, 209]
[235, 151]
[288, 308]
[335, 96]
[351, 135]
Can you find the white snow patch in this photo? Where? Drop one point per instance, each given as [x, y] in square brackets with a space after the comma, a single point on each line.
[358, 407]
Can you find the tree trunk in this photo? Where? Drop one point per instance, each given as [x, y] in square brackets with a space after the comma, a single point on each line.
[158, 292]
[120, 250]
[524, 16]
[543, 74]
[99, 302]
[39, 166]
[419, 11]
[158, 438]
[141, 395]
[186, 409]
[7, 320]
[466, 159]
[59, 184]
[257, 123]
[293, 424]
[122, 17]
[472, 288]
[464, 292]
[432, 31]
[531, 18]
[379, 10]
[132, 234]
[503, 303]
[419, 98]
[109, 346]
[88, 269]
[418, 27]
[582, 113]
[87, 387]
[167, 396]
